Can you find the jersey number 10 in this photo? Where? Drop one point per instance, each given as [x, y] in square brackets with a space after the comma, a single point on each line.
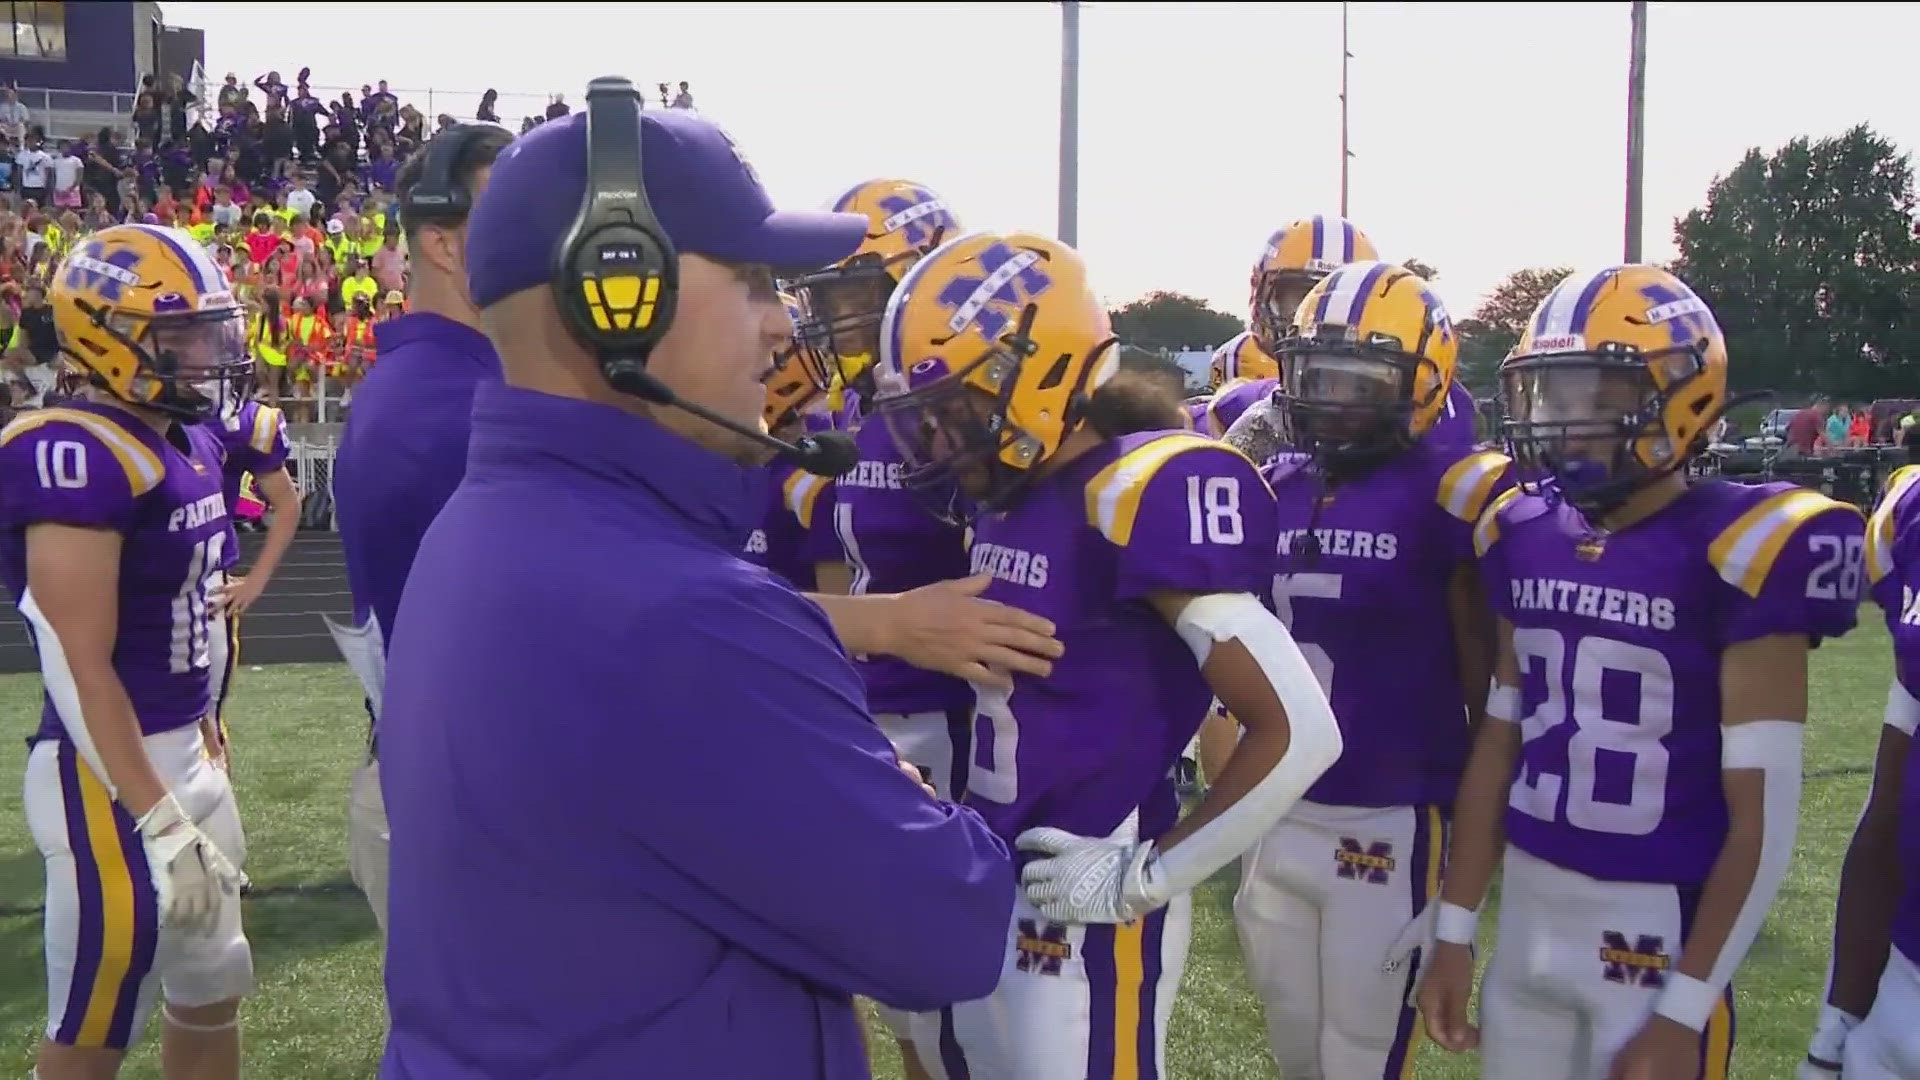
[187, 646]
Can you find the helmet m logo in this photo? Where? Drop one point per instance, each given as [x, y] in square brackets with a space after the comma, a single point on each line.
[88, 271]
[1685, 315]
[916, 215]
[1012, 281]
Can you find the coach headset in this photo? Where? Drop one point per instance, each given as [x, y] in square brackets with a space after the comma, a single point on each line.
[436, 198]
[616, 276]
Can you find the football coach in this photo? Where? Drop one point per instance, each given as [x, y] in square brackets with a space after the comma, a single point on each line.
[642, 824]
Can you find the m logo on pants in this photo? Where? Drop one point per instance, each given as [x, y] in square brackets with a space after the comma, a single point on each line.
[1042, 950]
[1371, 863]
[1644, 963]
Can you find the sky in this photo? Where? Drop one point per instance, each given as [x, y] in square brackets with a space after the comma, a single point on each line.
[1486, 137]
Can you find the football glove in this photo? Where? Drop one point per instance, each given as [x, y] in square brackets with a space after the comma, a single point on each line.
[1081, 879]
[190, 876]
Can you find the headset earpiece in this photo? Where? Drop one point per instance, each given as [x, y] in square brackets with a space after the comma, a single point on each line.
[616, 278]
[436, 197]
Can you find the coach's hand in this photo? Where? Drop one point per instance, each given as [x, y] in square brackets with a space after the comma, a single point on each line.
[190, 875]
[919, 776]
[1445, 988]
[946, 627]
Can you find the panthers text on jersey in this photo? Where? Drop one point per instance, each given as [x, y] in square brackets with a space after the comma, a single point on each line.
[1362, 580]
[891, 544]
[1226, 405]
[780, 543]
[1893, 571]
[1096, 740]
[254, 439]
[97, 466]
[1619, 639]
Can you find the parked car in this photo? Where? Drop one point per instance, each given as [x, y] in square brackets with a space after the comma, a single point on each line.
[1774, 425]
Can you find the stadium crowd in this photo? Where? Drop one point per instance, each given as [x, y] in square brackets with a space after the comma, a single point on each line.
[291, 191]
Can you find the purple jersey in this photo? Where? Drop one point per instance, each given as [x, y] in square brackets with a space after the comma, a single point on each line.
[780, 543]
[1229, 402]
[255, 441]
[1085, 747]
[1619, 640]
[1893, 571]
[96, 466]
[1455, 427]
[891, 544]
[1370, 611]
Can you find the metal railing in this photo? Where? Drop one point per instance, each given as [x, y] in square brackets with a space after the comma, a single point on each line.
[66, 114]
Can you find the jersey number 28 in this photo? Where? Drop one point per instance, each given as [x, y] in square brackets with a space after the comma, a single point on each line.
[1579, 699]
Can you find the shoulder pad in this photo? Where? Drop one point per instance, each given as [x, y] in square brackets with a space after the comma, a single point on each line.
[1467, 485]
[1883, 524]
[801, 493]
[1486, 531]
[1744, 552]
[1114, 494]
[269, 424]
[143, 467]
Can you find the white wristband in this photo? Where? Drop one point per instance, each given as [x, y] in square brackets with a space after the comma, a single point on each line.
[1503, 703]
[1687, 1001]
[1455, 925]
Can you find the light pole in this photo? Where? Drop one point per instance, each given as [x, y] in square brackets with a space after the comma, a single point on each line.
[1636, 127]
[1070, 122]
[1346, 155]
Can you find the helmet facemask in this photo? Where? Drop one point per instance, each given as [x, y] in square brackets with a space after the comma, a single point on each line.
[842, 306]
[1276, 300]
[1349, 403]
[960, 451]
[190, 365]
[1592, 428]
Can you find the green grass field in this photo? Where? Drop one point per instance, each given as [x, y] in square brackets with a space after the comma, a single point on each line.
[318, 1013]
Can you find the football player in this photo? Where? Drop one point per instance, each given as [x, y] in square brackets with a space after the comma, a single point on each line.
[1869, 1022]
[1375, 579]
[867, 535]
[1638, 773]
[1146, 549]
[114, 532]
[253, 437]
[1241, 374]
[1244, 373]
[795, 406]
[1294, 259]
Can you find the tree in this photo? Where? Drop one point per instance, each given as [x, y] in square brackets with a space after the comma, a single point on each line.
[1170, 321]
[1809, 259]
[1489, 334]
[1425, 270]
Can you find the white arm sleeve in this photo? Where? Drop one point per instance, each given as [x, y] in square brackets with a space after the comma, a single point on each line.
[1774, 748]
[1313, 742]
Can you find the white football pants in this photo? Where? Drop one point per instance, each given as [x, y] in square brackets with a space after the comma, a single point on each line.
[105, 950]
[1577, 963]
[1886, 1045]
[367, 838]
[1075, 1002]
[1322, 898]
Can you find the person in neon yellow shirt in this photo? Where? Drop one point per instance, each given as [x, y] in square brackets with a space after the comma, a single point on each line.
[358, 283]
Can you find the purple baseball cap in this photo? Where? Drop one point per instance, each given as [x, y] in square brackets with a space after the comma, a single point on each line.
[704, 193]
